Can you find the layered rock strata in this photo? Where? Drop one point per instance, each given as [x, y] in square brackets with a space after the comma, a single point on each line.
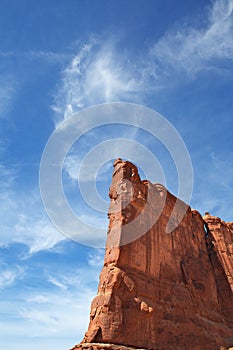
[167, 280]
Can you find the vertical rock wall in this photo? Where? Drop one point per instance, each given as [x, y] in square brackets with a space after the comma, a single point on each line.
[161, 288]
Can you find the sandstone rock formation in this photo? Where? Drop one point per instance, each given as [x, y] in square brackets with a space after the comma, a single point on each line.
[167, 280]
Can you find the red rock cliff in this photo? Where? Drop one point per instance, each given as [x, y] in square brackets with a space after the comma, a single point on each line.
[160, 289]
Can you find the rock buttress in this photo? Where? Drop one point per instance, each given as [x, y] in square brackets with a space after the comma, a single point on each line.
[161, 290]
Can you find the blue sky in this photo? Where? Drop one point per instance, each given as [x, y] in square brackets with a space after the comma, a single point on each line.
[60, 57]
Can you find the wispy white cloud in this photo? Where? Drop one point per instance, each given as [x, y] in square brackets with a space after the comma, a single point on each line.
[65, 315]
[23, 219]
[38, 234]
[9, 275]
[96, 259]
[73, 163]
[48, 56]
[88, 161]
[97, 74]
[79, 278]
[38, 299]
[51, 57]
[57, 283]
[101, 73]
[65, 318]
[56, 308]
[40, 312]
[194, 48]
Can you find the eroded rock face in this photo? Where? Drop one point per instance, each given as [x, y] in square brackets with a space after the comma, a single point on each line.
[167, 280]
[220, 235]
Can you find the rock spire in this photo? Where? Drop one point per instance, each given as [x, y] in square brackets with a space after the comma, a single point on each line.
[161, 289]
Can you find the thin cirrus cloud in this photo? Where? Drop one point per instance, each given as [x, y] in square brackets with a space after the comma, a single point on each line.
[78, 278]
[47, 319]
[191, 50]
[41, 317]
[99, 73]
[57, 283]
[44, 237]
[22, 218]
[8, 276]
[31, 227]
[73, 293]
[35, 312]
[96, 259]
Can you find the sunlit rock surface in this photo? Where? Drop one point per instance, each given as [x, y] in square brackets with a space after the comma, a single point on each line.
[167, 279]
